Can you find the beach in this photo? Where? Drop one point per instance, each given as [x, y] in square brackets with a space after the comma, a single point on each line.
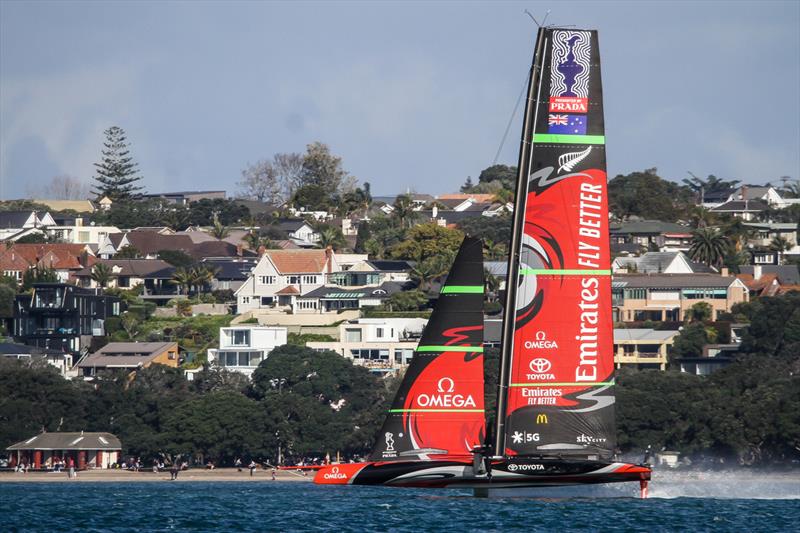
[148, 476]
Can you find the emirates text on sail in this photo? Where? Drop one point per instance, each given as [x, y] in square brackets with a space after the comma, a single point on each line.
[590, 223]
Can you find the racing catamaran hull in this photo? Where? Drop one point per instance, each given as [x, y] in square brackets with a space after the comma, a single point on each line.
[517, 472]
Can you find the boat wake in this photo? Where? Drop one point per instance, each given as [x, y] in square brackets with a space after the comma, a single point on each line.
[681, 484]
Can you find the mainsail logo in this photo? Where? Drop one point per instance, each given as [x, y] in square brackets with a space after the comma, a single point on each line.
[335, 474]
[446, 397]
[541, 369]
[540, 342]
[389, 441]
[570, 160]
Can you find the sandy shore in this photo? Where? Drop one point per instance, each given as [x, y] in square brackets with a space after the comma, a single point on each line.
[92, 476]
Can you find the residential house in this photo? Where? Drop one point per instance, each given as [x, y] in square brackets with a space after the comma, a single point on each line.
[744, 209]
[380, 344]
[651, 235]
[243, 347]
[658, 263]
[642, 348]
[298, 231]
[713, 358]
[765, 232]
[147, 243]
[377, 271]
[64, 259]
[769, 280]
[153, 275]
[667, 297]
[329, 298]
[129, 356]
[282, 277]
[62, 361]
[230, 273]
[15, 224]
[77, 232]
[62, 317]
[186, 197]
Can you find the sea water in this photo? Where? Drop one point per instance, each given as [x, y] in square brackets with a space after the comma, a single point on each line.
[680, 502]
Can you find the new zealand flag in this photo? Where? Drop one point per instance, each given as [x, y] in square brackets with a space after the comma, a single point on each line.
[567, 124]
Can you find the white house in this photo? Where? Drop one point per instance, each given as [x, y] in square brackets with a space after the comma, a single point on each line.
[657, 263]
[14, 224]
[282, 277]
[83, 234]
[243, 347]
[380, 344]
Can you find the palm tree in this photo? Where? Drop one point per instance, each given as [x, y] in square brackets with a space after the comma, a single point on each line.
[200, 276]
[492, 284]
[102, 274]
[700, 217]
[182, 278]
[330, 236]
[404, 210]
[780, 244]
[427, 270]
[708, 246]
[738, 232]
[218, 231]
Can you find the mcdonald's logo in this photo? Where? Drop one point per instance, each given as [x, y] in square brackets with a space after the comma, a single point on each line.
[541, 419]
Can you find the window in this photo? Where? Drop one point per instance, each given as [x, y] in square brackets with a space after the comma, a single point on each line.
[84, 236]
[635, 294]
[294, 280]
[267, 300]
[245, 299]
[310, 279]
[379, 332]
[306, 304]
[266, 280]
[352, 335]
[230, 359]
[240, 337]
[124, 281]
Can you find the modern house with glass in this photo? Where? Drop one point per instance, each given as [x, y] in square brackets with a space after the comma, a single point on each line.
[242, 348]
[62, 317]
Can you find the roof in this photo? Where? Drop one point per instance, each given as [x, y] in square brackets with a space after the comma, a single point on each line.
[126, 354]
[231, 269]
[787, 274]
[150, 242]
[291, 225]
[298, 261]
[80, 206]
[10, 348]
[657, 262]
[385, 290]
[738, 206]
[290, 289]
[14, 219]
[750, 192]
[766, 285]
[69, 441]
[483, 198]
[672, 281]
[385, 265]
[643, 334]
[138, 268]
[655, 227]
[57, 256]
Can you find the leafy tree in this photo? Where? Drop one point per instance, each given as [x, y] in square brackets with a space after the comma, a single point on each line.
[494, 229]
[131, 323]
[357, 200]
[708, 246]
[412, 300]
[427, 240]
[260, 181]
[780, 245]
[646, 195]
[323, 169]
[38, 275]
[690, 341]
[183, 308]
[712, 184]
[116, 174]
[362, 236]
[33, 238]
[7, 296]
[431, 268]
[101, 274]
[227, 212]
[403, 211]
[700, 312]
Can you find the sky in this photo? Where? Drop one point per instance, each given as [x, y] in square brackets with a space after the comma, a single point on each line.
[414, 96]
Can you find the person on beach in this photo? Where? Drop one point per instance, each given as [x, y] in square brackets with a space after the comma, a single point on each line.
[71, 471]
[273, 473]
[173, 471]
[238, 464]
[253, 466]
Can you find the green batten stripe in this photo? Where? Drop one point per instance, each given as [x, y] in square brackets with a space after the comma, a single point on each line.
[462, 289]
[569, 139]
[436, 410]
[450, 349]
[563, 272]
[584, 384]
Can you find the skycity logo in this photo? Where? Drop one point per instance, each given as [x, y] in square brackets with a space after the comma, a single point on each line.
[335, 474]
[446, 397]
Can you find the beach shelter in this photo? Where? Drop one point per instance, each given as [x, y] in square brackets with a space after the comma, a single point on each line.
[88, 450]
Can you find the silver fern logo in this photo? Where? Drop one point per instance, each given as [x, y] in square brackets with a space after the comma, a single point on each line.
[568, 161]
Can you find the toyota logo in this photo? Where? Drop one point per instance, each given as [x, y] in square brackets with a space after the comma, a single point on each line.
[540, 365]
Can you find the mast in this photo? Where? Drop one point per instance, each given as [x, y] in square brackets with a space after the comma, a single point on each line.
[509, 309]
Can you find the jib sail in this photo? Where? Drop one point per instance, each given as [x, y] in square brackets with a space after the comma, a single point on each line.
[438, 409]
[557, 368]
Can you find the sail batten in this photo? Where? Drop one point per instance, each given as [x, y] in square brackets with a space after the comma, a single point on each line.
[556, 389]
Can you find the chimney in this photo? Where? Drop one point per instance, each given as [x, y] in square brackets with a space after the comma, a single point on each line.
[434, 212]
[328, 258]
[262, 250]
[756, 271]
[724, 272]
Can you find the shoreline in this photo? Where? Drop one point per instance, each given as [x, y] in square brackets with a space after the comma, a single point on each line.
[148, 476]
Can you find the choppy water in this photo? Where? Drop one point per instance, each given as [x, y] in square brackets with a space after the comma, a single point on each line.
[686, 502]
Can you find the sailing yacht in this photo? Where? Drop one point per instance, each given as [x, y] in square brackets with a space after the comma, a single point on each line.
[554, 423]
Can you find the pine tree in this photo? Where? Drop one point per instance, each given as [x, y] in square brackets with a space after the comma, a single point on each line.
[116, 173]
